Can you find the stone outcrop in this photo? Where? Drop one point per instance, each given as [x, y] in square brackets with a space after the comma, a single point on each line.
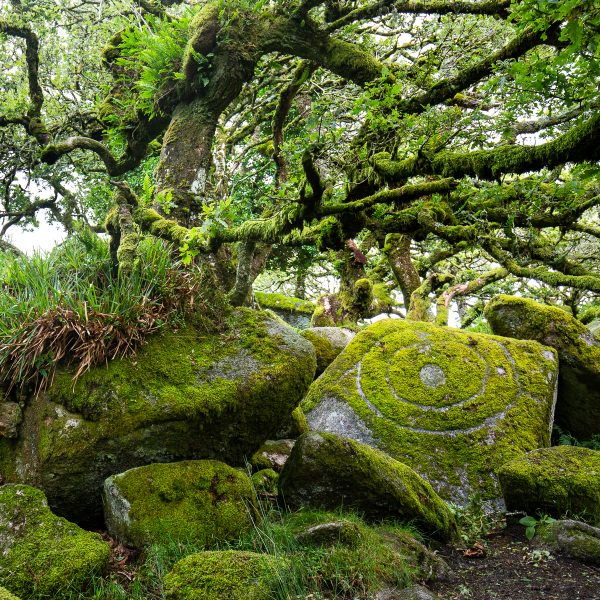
[186, 394]
[453, 405]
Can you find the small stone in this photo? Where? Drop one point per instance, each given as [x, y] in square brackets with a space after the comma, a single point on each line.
[573, 538]
[415, 592]
[328, 534]
[328, 343]
[272, 454]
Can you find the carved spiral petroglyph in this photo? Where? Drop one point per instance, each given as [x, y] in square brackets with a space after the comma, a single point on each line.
[441, 388]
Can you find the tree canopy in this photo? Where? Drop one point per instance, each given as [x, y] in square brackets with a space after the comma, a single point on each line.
[421, 151]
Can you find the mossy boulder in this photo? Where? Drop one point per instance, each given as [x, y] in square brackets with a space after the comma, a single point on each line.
[265, 482]
[295, 311]
[453, 405]
[572, 538]
[185, 395]
[6, 595]
[328, 343]
[40, 553]
[329, 472]
[578, 403]
[200, 501]
[229, 574]
[556, 481]
[272, 454]
[360, 558]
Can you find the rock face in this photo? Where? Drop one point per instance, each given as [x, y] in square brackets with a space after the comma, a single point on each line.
[558, 480]
[329, 472]
[578, 405]
[453, 405]
[328, 343]
[40, 552]
[573, 538]
[228, 574]
[185, 395]
[202, 501]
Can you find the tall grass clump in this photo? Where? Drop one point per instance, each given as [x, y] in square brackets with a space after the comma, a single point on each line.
[73, 307]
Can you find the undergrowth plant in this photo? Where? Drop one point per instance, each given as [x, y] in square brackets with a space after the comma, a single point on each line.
[72, 307]
[566, 439]
[476, 520]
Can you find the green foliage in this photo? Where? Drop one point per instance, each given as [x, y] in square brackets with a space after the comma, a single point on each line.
[71, 306]
[531, 523]
[154, 52]
[566, 439]
[476, 520]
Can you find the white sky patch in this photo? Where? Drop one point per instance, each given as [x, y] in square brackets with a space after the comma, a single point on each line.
[41, 239]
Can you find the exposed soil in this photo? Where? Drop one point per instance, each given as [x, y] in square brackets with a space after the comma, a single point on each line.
[514, 569]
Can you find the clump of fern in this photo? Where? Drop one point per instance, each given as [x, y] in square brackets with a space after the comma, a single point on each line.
[151, 54]
[71, 307]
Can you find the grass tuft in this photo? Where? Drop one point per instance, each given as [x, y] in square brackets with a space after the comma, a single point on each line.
[71, 307]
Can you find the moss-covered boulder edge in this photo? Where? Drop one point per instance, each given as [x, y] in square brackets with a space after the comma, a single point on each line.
[186, 395]
[42, 554]
[453, 405]
[295, 311]
[578, 402]
[328, 472]
[556, 481]
[200, 501]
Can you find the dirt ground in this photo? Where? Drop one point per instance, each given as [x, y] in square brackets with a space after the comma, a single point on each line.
[514, 569]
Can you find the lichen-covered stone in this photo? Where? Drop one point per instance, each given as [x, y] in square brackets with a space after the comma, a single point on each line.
[329, 472]
[556, 481]
[186, 394]
[328, 343]
[272, 454]
[295, 311]
[578, 403]
[453, 405]
[230, 574]
[573, 538]
[6, 595]
[201, 501]
[41, 553]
